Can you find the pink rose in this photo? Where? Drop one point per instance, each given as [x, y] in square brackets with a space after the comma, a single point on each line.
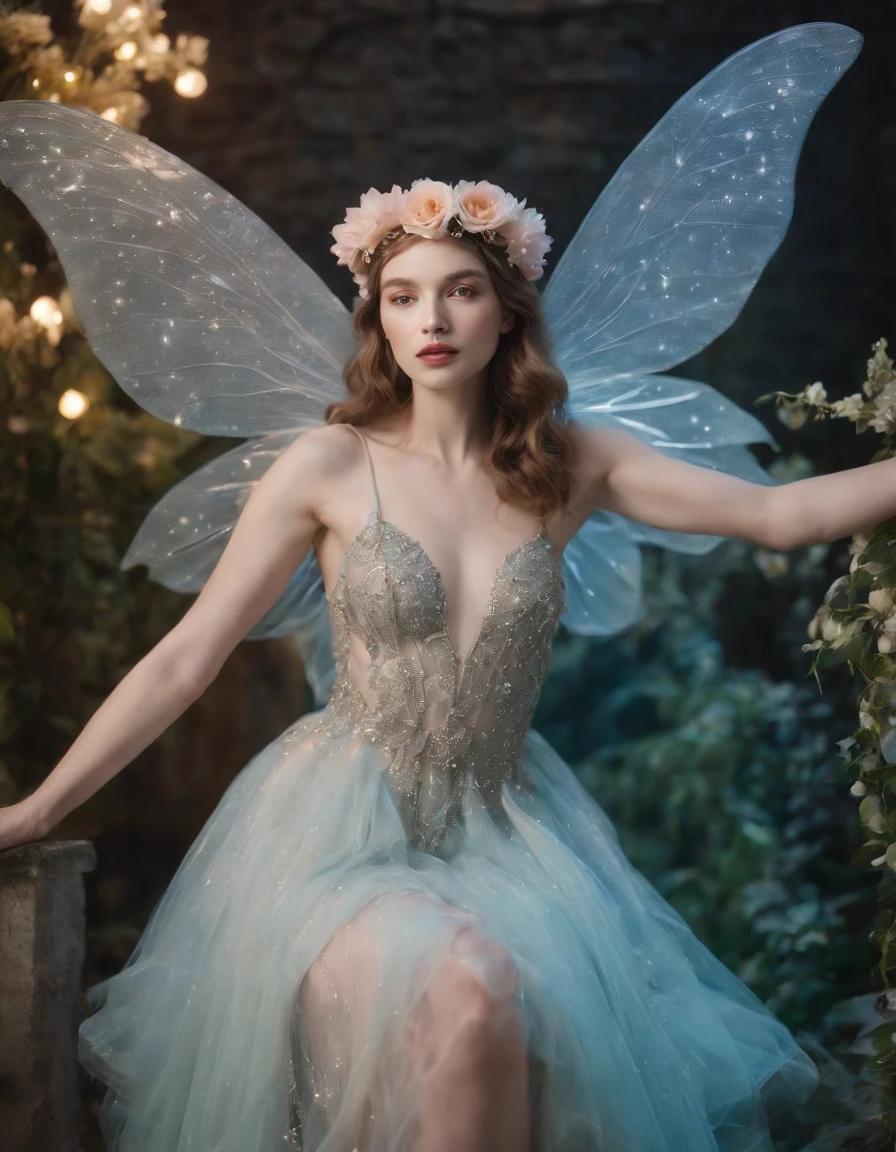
[426, 208]
[481, 206]
[527, 243]
[365, 226]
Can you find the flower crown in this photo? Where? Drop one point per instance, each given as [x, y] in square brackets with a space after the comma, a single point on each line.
[433, 209]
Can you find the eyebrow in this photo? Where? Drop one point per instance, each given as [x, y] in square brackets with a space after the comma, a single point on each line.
[403, 282]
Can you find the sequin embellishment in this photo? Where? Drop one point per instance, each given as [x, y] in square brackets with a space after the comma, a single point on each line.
[440, 723]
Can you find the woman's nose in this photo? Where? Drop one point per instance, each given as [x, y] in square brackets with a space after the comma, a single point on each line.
[435, 319]
[435, 323]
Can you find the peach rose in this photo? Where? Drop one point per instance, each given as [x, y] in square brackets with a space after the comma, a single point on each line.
[482, 205]
[365, 226]
[528, 244]
[426, 208]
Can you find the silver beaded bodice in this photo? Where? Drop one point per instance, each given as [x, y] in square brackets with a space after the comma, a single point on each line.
[439, 723]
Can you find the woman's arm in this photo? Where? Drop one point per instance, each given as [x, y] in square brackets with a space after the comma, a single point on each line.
[622, 474]
[270, 539]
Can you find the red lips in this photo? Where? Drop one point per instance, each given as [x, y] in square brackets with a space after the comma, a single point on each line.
[432, 349]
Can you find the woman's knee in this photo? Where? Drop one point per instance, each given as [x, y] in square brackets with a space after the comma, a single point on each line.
[474, 990]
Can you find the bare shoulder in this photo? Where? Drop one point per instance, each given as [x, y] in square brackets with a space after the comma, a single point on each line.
[308, 471]
[321, 455]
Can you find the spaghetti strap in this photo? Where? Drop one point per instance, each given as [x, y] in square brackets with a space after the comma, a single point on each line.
[376, 498]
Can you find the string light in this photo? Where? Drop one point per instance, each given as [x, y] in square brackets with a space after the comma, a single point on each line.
[73, 404]
[131, 18]
[45, 312]
[191, 82]
[129, 30]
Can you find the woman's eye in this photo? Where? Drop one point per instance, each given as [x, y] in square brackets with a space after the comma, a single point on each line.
[403, 296]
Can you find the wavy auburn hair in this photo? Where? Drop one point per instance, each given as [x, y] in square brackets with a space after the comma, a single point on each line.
[531, 447]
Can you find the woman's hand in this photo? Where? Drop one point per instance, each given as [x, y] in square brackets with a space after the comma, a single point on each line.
[19, 824]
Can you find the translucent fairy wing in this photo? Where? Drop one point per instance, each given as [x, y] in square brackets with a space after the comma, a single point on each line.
[662, 265]
[671, 249]
[602, 570]
[201, 313]
[675, 415]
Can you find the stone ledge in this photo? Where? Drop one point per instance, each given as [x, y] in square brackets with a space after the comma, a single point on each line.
[41, 952]
[78, 855]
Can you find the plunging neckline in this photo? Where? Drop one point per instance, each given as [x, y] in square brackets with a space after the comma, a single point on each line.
[374, 520]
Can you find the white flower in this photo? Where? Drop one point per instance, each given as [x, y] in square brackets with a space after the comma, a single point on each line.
[850, 406]
[871, 815]
[528, 243]
[831, 628]
[815, 393]
[883, 406]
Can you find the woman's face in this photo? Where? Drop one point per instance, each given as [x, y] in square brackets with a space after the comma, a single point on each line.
[436, 291]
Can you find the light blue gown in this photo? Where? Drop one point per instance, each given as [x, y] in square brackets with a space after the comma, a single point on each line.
[417, 819]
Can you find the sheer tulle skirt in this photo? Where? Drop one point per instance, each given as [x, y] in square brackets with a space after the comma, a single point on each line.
[289, 989]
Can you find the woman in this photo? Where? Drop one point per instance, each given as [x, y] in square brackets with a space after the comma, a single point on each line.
[406, 925]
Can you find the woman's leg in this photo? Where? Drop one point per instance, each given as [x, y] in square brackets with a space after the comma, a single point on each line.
[468, 1030]
[441, 1065]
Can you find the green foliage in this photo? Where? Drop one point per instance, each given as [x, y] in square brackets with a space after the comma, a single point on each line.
[856, 625]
